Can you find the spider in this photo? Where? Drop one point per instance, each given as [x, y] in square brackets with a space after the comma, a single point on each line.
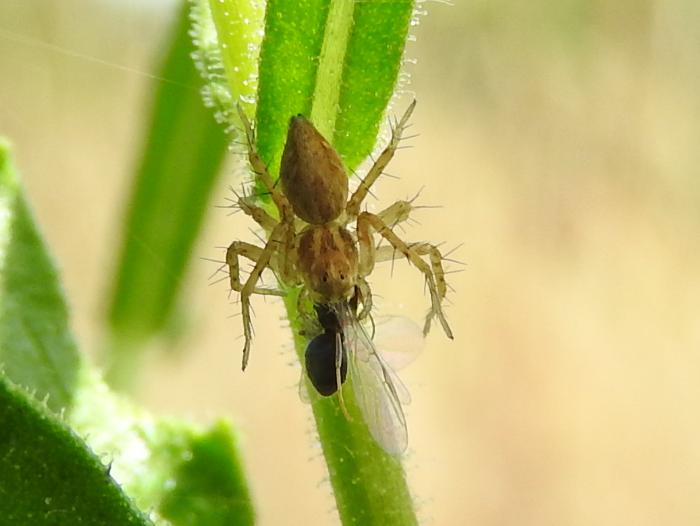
[311, 244]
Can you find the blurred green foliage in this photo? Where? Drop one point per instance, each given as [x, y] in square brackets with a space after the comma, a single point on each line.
[181, 158]
[36, 348]
[48, 475]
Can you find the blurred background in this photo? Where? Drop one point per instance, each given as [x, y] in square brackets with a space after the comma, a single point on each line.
[561, 140]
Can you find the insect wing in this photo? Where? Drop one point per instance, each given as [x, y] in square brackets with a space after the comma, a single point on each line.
[303, 388]
[400, 339]
[374, 388]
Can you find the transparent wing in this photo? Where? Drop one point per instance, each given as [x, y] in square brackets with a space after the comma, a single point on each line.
[401, 351]
[377, 390]
[400, 340]
[303, 389]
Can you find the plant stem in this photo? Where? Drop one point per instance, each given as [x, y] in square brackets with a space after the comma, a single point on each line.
[369, 484]
[330, 68]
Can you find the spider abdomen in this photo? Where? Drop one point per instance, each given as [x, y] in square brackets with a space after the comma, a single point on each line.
[312, 174]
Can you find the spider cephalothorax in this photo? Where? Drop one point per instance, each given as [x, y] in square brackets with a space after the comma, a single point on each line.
[311, 245]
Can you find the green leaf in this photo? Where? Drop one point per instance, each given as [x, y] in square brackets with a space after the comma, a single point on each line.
[48, 476]
[181, 158]
[153, 459]
[370, 71]
[289, 60]
[37, 350]
[209, 488]
[336, 61]
[186, 474]
[230, 71]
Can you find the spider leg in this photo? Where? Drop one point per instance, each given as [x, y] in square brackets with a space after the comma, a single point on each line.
[252, 252]
[365, 295]
[399, 211]
[257, 213]
[260, 168]
[436, 283]
[288, 255]
[388, 253]
[249, 288]
[353, 207]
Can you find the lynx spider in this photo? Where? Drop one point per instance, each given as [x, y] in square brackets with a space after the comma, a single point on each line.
[310, 243]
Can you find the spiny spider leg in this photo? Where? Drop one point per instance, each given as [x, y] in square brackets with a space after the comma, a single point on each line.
[260, 168]
[365, 295]
[280, 233]
[367, 221]
[252, 252]
[353, 207]
[397, 213]
[388, 253]
[263, 260]
[257, 213]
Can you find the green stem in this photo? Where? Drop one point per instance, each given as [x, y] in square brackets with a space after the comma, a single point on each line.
[369, 484]
[239, 55]
[336, 61]
[330, 69]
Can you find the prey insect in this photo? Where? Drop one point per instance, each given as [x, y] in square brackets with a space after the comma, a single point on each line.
[326, 244]
[345, 348]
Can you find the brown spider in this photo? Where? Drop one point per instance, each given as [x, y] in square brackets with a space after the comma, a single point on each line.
[310, 244]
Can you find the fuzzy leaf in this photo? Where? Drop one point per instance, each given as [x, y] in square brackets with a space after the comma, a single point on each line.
[186, 474]
[153, 459]
[210, 488]
[37, 350]
[335, 61]
[48, 476]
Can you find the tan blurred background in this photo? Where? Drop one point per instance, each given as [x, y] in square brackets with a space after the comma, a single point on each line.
[561, 138]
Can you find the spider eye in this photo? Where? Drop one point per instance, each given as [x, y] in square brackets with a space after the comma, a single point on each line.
[325, 277]
[342, 276]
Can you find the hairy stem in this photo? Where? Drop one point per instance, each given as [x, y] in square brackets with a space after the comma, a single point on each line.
[369, 484]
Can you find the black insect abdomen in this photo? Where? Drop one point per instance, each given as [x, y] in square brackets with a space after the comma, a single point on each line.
[320, 363]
